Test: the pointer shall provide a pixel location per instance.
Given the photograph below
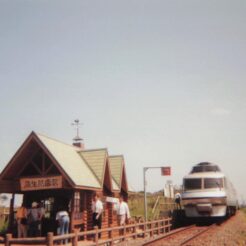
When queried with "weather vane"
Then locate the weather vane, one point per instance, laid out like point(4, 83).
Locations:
point(77, 125)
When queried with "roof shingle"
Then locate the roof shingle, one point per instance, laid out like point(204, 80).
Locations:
point(71, 162)
point(96, 160)
point(116, 167)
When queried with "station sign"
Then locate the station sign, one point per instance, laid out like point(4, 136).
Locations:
point(166, 171)
point(112, 199)
point(42, 183)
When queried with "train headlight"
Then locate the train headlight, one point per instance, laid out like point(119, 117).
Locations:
point(210, 200)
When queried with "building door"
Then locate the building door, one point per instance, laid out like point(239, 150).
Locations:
point(50, 202)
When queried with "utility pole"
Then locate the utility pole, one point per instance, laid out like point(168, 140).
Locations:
point(165, 171)
point(145, 195)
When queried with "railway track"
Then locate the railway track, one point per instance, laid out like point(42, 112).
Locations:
point(182, 236)
point(191, 238)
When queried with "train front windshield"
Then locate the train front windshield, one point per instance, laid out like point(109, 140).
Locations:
point(213, 183)
point(192, 184)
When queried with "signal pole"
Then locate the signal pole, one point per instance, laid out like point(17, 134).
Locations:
point(145, 195)
point(165, 171)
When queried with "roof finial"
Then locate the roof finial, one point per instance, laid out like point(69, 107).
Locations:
point(77, 139)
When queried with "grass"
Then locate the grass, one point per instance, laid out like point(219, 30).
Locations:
point(3, 220)
point(3, 226)
point(136, 204)
point(243, 210)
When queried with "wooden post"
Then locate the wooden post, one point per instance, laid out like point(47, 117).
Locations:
point(144, 229)
point(7, 239)
point(134, 230)
point(151, 229)
point(110, 231)
point(11, 213)
point(111, 236)
point(124, 232)
point(72, 212)
point(50, 241)
point(85, 219)
point(75, 239)
point(96, 235)
point(159, 227)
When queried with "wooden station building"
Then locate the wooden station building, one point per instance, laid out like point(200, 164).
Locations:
point(54, 173)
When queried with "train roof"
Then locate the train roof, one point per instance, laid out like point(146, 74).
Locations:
point(205, 175)
point(205, 167)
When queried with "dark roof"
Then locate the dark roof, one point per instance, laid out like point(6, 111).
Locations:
point(205, 167)
point(205, 164)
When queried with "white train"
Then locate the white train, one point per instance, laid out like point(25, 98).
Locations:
point(207, 192)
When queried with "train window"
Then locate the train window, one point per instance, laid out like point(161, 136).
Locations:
point(208, 168)
point(192, 184)
point(213, 183)
point(197, 169)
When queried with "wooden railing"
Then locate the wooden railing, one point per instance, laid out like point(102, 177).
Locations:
point(133, 231)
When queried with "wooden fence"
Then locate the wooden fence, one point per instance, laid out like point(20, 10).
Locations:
point(76, 238)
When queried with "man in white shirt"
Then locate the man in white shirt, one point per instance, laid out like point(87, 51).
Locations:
point(122, 211)
point(97, 209)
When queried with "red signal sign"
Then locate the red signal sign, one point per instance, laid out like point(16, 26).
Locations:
point(166, 171)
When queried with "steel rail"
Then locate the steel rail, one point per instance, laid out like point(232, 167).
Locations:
point(169, 234)
point(196, 235)
point(203, 231)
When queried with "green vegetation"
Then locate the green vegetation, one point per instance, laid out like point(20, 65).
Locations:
point(243, 210)
point(3, 220)
point(136, 204)
point(3, 226)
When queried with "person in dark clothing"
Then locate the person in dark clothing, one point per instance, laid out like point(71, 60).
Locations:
point(33, 220)
point(178, 200)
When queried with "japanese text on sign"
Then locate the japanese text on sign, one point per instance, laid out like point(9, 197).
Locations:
point(46, 183)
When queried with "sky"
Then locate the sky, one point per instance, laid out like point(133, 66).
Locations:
point(161, 82)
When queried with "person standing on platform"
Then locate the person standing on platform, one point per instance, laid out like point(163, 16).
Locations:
point(63, 219)
point(123, 212)
point(41, 217)
point(33, 220)
point(97, 209)
point(178, 200)
point(21, 217)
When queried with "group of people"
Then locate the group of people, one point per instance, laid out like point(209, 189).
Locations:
point(29, 220)
point(121, 208)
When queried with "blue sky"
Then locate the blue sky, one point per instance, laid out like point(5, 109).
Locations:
point(162, 82)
